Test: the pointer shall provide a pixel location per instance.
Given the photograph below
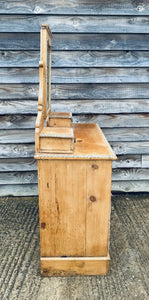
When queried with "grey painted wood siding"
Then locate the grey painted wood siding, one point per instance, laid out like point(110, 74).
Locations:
point(100, 72)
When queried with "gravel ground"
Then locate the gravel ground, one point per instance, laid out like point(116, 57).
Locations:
point(20, 253)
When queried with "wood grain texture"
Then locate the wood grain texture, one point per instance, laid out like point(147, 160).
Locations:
point(73, 266)
point(127, 161)
point(56, 239)
point(130, 186)
point(94, 75)
point(130, 147)
point(98, 207)
point(71, 224)
point(30, 41)
point(100, 63)
point(16, 150)
point(103, 58)
point(78, 106)
point(100, 91)
point(120, 148)
point(76, 75)
point(75, 24)
point(17, 136)
point(28, 150)
point(113, 120)
point(76, 91)
point(18, 164)
point(56, 145)
point(27, 177)
point(126, 134)
point(130, 174)
point(19, 190)
point(102, 106)
point(19, 91)
point(18, 107)
point(29, 164)
point(74, 59)
point(118, 174)
point(112, 134)
point(74, 7)
point(32, 189)
point(21, 58)
point(86, 146)
point(16, 121)
point(145, 161)
point(19, 75)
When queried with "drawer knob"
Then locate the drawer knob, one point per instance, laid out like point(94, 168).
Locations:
point(92, 198)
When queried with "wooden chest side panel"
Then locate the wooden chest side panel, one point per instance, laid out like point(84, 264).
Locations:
point(98, 207)
point(47, 207)
point(62, 208)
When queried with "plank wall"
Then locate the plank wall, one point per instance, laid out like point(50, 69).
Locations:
point(100, 72)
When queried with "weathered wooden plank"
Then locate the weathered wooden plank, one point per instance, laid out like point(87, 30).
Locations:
point(18, 107)
point(127, 161)
point(100, 58)
point(76, 75)
point(17, 150)
point(111, 120)
point(17, 136)
point(78, 106)
point(77, 91)
point(130, 186)
point(145, 161)
point(19, 58)
point(19, 41)
point(107, 41)
point(130, 174)
point(75, 24)
point(32, 189)
point(103, 120)
point(19, 190)
point(112, 134)
point(30, 164)
point(126, 134)
point(20, 164)
point(19, 91)
point(74, 7)
point(77, 59)
point(17, 121)
point(100, 91)
point(30, 177)
point(123, 148)
point(28, 150)
point(102, 106)
point(18, 177)
point(19, 75)
point(91, 75)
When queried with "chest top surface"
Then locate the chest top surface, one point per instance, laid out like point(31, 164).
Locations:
point(90, 143)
